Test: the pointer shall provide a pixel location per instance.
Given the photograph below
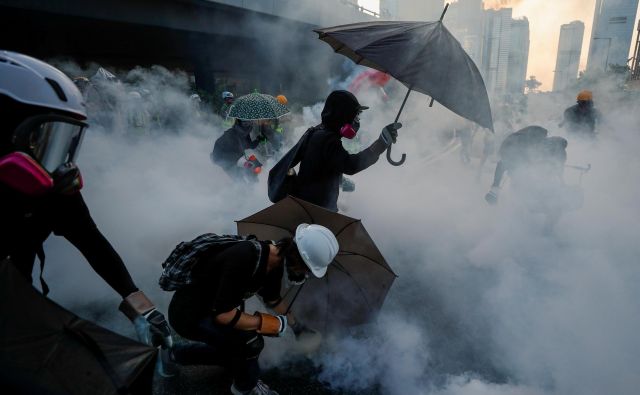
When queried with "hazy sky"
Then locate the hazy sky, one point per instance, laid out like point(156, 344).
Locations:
point(545, 18)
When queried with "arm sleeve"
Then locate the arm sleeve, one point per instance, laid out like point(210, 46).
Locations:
point(339, 159)
point(74, 223)
point(271, 290)
point(497, 177)
point(237, 265)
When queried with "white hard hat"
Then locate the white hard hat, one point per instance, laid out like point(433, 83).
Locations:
point(31, 81)
point(317, 246)
point(227, 95)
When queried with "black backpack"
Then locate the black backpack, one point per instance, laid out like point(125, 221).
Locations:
point(281, 183)
point(177, 268)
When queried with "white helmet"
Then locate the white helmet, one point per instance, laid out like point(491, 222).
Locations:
point(227, 95)
point(318, 247)
point(34, 82)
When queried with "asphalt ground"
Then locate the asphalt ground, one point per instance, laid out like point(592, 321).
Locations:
point(300, 377)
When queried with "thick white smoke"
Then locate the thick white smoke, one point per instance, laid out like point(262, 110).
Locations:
point(487, 301)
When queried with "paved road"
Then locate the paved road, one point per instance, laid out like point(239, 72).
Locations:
point(295, 379)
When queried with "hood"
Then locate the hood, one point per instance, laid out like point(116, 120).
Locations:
point(340, 108)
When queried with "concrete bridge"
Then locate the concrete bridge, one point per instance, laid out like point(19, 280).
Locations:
point(267, 41)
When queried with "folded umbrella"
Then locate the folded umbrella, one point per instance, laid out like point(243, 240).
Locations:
point(424, 56)
point(357, 281)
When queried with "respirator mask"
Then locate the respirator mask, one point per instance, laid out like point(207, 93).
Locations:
point(46, 148)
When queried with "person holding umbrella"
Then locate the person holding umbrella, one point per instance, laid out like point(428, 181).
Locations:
point(213, 276)
point(323, 160)
point(229, 149)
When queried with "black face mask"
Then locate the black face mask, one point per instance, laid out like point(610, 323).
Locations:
point(294, 277)
point(356, 124)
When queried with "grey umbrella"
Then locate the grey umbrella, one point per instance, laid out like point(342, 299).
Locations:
point(424, 56)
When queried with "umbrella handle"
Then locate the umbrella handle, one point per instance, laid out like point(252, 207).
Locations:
point(393, 162)
point(404, 156)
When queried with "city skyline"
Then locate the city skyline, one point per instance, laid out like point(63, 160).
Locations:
point(545, 19)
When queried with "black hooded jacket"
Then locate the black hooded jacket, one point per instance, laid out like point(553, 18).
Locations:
point(229, 147)
point(324, 160)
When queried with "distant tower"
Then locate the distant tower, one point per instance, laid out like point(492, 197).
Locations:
point(611, 34)
point(497, 46)
point(635, 68)
point(518, 56)
point(568, 58)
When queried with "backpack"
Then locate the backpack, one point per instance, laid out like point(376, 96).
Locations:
point(281, 182)
point(178, 267)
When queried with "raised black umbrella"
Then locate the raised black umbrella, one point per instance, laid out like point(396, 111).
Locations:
point(424, 56)
point(357, 281)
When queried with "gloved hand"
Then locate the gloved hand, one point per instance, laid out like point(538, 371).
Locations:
point(272, 325)
point(150, 325)
point(300, 329)
point(492, 196)
point(389, 133)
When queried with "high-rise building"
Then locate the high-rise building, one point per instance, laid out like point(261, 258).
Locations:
point(612, 32)
point(411, 10)
point(518, 56)
point(568, 59)
point(496, 49)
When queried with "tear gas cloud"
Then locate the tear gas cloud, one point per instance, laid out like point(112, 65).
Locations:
point(486, 301)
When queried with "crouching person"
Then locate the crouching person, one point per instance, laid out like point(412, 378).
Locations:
point(213, 275)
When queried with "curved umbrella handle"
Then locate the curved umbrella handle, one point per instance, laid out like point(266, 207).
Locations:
point(393, 162)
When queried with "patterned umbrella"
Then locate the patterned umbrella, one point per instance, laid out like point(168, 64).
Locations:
point(257, 106)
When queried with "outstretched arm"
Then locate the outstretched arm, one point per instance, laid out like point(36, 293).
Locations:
point(73, 221)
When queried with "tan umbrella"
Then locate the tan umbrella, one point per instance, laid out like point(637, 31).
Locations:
point(357, 281)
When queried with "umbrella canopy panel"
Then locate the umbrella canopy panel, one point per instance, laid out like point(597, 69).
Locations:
point(424, 56)
point(46, 349)
point(257, 106)
point(357, 281)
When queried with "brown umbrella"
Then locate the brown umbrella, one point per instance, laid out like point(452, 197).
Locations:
point(357, 281)
point(45, 349)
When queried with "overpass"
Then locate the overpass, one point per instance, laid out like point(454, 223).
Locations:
point(267, 41)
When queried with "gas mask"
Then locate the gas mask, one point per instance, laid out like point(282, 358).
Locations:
point(350, 130)
point(46, 147)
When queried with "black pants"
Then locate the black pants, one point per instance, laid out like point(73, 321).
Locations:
point(238, 350)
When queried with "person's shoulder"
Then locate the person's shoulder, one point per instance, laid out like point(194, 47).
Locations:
point(571, 109)
point(243, 253)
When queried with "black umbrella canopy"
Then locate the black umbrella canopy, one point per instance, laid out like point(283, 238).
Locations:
point(424, 56)
point(45, 349)
point(357, 281)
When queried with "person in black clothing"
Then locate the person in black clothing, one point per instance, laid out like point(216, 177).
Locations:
point(581, 118)
point(210, 308)
point(229, 151)
point(323, 160)
point(43, 121)
point(535, 165)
